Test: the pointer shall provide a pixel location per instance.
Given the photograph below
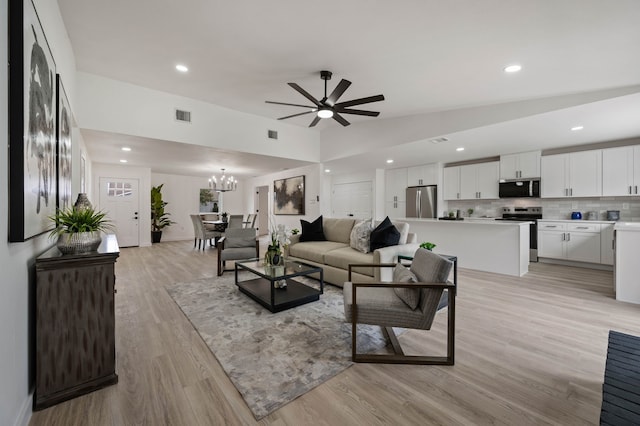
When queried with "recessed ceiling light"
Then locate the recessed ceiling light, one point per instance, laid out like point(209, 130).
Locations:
point(389, 161)
point(512, 68)
point(182, 68)
point(123, 161)
point(327, 170)
point(126, 148)
point(576, 128)
point(439, 140)
point(460, 149)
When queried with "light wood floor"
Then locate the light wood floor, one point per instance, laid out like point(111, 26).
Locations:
point(529, 350)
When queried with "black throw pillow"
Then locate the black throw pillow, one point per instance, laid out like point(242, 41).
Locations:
point(384, 235)
point(312, 231)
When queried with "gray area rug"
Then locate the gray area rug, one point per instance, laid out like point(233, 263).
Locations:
point(272, 358)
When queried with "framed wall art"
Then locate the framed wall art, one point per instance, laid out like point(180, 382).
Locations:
point(32, 125)
point(63, 134)
point(288, 196)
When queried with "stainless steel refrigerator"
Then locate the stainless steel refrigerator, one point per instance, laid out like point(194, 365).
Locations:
point(422, 201)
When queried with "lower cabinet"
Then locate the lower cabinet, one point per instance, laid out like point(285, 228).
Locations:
point(578, 242)
point(75, 349)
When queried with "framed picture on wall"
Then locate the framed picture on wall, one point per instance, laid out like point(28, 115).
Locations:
point(32, 125)
point(289, 196)
point(64, 148)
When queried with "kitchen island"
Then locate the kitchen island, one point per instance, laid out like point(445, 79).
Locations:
point(484, 245)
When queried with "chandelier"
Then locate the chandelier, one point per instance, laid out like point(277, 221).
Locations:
point(223, 184)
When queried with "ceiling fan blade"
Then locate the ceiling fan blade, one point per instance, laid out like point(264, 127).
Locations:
point(315, 121)
point(358, 112)
point(360, 101)
point(284, 103)
point(295, 115)
point(340, 119)
point(304, 93)
point(337, 92)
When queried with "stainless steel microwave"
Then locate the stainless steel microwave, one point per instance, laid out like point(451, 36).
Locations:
point(520, 189)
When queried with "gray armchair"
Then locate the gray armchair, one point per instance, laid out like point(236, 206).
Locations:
point(389, 304)
point(237, 244)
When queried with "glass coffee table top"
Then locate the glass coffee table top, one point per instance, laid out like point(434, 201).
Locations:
point(290, 269)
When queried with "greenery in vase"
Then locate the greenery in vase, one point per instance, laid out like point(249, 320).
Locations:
point(72, 220)
point(427, 245)
point(470, 211)
point(295, 231)
point(159, 218)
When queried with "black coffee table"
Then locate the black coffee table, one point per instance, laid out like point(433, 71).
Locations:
point(263, 290)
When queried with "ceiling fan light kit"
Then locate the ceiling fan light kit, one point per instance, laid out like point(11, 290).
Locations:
point(328, 107)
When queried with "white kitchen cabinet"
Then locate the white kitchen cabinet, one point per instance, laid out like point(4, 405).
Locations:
point(520, 166)
point(479, 181)
point(451, 183)
point(621, 171)
point(577, 174)
point(395, 194)
point(569, 241)
point(395, 185)
point(426, 174)
point(606, 243)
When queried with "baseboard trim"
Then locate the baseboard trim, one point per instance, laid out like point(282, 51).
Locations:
point(598, 266)
point(24, 415)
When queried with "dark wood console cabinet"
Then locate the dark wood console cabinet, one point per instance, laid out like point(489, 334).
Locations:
point(75, 323)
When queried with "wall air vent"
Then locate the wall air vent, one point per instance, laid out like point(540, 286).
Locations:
point(439, 140)
point(272, 134)
point(184, 116)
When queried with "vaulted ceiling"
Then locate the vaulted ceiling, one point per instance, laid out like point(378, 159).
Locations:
point(425, 56)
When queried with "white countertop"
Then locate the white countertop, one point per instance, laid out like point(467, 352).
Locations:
point(576, 221)
point(466, 221)
point(627, 226)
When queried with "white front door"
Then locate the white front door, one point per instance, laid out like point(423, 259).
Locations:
point(119, 199)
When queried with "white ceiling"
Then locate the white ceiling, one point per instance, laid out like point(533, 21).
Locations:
point(423, 55)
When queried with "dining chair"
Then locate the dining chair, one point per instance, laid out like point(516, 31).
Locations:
point(235, 221)
point(251, 220)
point(201, 235)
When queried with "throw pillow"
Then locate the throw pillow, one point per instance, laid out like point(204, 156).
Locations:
point(410, 296)
point(384, 235)
point(361, 236)
point(312, 231)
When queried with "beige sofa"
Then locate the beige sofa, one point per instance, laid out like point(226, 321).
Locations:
point(335, 254)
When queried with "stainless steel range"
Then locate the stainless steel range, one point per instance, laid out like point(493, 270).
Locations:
point(526, 214)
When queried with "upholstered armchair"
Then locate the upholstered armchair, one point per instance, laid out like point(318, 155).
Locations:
point(410, 301)
point(237, 244)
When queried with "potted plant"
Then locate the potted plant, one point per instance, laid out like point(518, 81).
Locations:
point(159, 218)
point(78, 229)
point(427, 245)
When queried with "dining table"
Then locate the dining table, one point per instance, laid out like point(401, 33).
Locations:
point(218, 225)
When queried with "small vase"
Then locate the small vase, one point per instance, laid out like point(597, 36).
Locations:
point(78, 242)
point(82, 203)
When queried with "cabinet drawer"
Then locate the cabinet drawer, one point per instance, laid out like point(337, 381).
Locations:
point(583, 227)
point(552, 226)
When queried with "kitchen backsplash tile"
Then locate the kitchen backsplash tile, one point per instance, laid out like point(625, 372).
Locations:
point(553, 208)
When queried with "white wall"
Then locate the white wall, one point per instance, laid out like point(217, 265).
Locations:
point(101, 170)
point(183, 195)
point(17, 259)
point(313, 188)
point(119, 107)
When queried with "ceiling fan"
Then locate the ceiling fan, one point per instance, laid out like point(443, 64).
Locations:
point(327, 106)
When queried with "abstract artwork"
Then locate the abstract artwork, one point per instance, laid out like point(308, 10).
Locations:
point(32, 125)
point(64, 148)
point(288, 196)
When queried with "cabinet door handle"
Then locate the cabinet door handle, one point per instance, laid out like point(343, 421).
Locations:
point(571, 191)
point(563, 237)
point(551, 226)
point(457, 195)
point(566, 192)
point(582, 227)
point(568, 236)
point(629, 189)
point(636, 187)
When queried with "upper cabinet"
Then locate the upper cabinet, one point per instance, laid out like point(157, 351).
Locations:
point(473, 181)
point(621, 171)
point(577, 174)
point(422, 175)
point(395, 185)
point(520, 166)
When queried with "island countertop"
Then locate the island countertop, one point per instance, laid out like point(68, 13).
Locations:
point(499, 246)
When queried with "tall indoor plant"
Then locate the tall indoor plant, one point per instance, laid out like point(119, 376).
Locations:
point(159, 218)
